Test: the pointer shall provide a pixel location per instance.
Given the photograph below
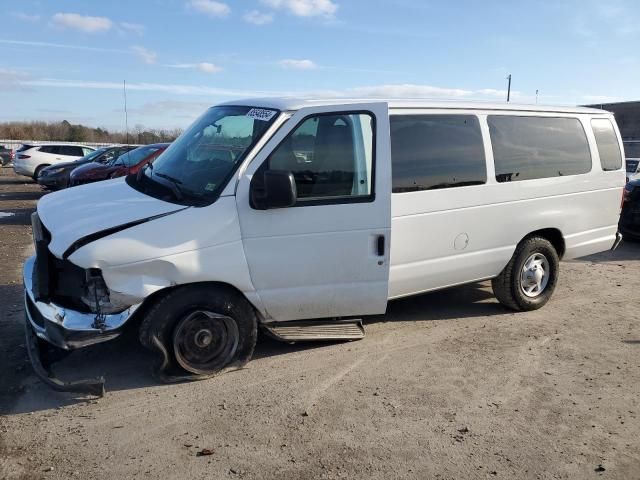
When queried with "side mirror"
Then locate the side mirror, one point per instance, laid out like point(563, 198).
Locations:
point(277, 191)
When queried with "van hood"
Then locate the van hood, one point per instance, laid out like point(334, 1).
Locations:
point(89, 210)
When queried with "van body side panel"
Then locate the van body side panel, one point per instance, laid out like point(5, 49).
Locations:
point(424, 255)
point(194, 245)
point(451, 236)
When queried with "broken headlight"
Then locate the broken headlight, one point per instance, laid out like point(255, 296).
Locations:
point(98, 297)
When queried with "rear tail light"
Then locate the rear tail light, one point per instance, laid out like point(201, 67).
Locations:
point(20, 156)
point(12, 155)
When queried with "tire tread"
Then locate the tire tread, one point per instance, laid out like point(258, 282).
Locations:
point(505, 285)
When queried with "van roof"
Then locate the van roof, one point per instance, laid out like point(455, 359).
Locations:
point(296, 103)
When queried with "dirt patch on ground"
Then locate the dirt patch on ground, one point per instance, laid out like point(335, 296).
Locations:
point(445, 385)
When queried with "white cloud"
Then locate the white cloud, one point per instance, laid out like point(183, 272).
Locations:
point(204, 67)
point(174, 89)
point(492, 92)
point(147, 56)
point(363, 92)
point(62, 45)
point(258, 18)
point(305, 8)
point(292, 64)
point(136, 28)
point(26, 17)
point(406, 91)
point(211, 8)
point(12, 80)
point(178, 108)
point(82, 23)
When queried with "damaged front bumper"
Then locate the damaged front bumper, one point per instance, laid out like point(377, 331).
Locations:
point(93, 386)
point(66, 328)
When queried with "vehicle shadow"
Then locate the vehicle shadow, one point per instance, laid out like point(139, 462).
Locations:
point(6, 180)
point(127, 366)
point(15, 216)
point(628, 250)
point(21, 196)
point(471, 300)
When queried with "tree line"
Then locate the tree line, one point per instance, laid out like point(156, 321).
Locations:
point(67, 132)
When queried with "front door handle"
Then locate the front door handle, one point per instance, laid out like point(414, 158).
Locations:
point(380, 245)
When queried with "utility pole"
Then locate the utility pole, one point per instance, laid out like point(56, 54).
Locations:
point(126, 117)
point(537, 96)
point(509, 89)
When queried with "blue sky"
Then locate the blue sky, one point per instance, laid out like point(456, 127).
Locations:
point(66, 59)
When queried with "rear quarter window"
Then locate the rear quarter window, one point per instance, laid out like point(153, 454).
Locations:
point(71, 151)
point(527, 148)
point(608, 146)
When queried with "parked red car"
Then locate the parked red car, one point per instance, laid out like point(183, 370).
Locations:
point(126, 164)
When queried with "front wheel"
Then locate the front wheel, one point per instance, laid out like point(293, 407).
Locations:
point(530, 277)
point(200, 331)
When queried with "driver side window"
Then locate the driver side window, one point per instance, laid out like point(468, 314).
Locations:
point(330, 156)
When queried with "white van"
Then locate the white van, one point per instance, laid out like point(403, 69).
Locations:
point(302, 217)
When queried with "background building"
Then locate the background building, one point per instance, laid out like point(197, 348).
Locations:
point(627, 116)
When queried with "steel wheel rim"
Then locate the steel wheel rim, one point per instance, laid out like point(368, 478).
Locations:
point(534, 276)
point(204, 341)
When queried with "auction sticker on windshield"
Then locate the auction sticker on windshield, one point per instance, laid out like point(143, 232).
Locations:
point(261, 114)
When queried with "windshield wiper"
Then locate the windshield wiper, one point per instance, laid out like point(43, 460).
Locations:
point(174, 185)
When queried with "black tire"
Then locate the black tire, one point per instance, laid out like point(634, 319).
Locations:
point(230, 321)
point(37, 172)
point(508, 286)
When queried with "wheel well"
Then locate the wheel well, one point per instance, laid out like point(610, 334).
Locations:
point(554, 236)
point(149, 301)
point(38, 168)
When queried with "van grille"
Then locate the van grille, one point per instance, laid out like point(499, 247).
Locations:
point(54, 279)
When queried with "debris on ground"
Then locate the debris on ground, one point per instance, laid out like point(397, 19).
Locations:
point(205, 452)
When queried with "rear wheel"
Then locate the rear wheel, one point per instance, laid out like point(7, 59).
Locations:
point(530, 277)
point(37, 171)
point(200, 331)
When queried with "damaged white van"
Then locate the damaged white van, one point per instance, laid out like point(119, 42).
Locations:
point(302, 217)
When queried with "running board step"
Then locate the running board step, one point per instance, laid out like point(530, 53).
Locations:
point(316, 330)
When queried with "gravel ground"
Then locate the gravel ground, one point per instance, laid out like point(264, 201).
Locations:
point(447, 385)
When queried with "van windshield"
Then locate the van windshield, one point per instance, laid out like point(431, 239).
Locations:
point(197, 166)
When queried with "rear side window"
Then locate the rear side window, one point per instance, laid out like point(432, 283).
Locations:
point(608, 146)
point(24, 147)
point(436, 151)
point(52, 149)
point(526, 148)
